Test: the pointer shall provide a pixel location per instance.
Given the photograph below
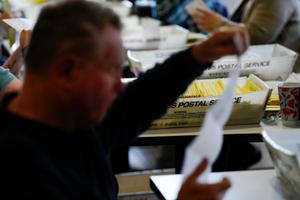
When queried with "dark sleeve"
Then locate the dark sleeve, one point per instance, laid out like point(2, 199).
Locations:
point(148, 97)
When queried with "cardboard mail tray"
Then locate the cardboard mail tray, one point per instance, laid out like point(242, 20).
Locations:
point(188, 112)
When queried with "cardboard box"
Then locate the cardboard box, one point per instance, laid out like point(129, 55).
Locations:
point(188, 112)
point(268, 62)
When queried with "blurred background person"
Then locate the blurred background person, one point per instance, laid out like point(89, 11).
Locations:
point(4, 31)
point(10, 50)
point(9, 82)
point(15, 62)
point(174, 12)
point(268, 22)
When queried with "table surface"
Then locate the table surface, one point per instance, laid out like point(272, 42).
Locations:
point(246, 185)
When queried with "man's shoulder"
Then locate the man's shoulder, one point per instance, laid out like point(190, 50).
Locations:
point(20, 155)
point(13, 138)
point(12, 142)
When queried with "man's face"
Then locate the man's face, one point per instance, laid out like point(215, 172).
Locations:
point(101, 79)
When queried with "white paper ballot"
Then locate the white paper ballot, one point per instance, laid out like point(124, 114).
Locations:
point(210, 139)
point(191, 7)
point(19, 24)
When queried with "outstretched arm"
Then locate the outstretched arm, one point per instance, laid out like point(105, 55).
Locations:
point(16, 60)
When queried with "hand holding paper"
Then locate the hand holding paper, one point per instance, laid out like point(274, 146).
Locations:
point(208, 19)
point(209, 141)
point(205, 18)
point(191, 189)
point(221, 43)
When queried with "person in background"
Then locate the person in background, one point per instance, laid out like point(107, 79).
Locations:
point(57, 132)
point(15, 62)
point(8, 82)
point(174, 12)
point(267, 21)
point(4, 54)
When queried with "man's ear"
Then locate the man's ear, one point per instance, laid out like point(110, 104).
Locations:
point(66, 65)
point(65, 71)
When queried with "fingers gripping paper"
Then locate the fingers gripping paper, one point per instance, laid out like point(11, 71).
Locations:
point(209, 141)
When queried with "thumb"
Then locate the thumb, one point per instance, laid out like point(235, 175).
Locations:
point(198, 171)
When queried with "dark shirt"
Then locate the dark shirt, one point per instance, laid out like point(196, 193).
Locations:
point(42, 162)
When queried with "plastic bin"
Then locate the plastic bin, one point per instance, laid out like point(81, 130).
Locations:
point(152, 36)
point(269, 62)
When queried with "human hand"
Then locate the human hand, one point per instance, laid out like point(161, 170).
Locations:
point(207, 19)
point(25, 38)
point(220, 43)
point(191, 189)
point(6, 15)
point(14, 86)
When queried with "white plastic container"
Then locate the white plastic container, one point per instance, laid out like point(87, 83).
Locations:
point(148, 35)
point(122, 8)
point(141, 61)
point(172, 37)
point(269, 62)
